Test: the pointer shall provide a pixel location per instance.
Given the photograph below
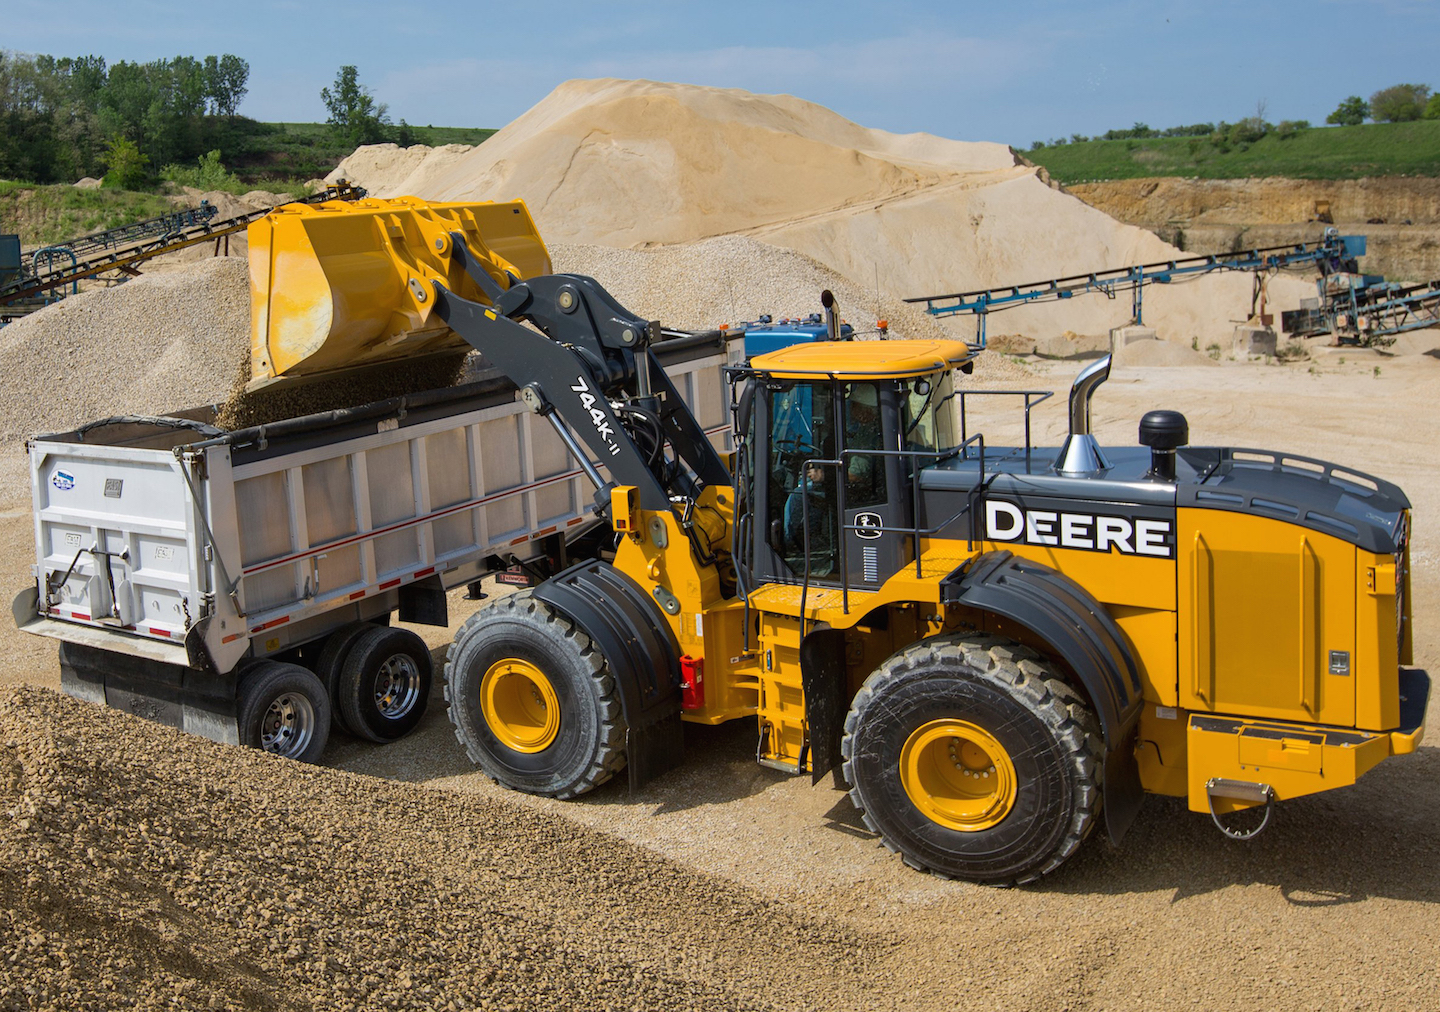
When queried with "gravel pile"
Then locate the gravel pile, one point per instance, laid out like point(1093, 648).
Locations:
point(142, 868)
point(158, 343)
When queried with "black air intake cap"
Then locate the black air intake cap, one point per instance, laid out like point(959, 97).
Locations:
point(1164, 430)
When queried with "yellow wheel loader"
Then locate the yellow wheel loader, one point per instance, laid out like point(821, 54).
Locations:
point(996, 648)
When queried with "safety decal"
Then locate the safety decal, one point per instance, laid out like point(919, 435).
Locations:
point(63, 480)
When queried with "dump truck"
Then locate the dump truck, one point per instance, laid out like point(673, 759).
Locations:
point(994, 649)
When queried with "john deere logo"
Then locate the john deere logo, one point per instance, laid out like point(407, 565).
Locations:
point(870, 524)
point(1095, 532)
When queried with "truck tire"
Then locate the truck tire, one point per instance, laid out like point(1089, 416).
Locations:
point(972, 759)
point(332, 658)
point(384, 684)
point(533, 700)
point(283, 708)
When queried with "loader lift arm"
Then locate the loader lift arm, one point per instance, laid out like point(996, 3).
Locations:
point(593, 367)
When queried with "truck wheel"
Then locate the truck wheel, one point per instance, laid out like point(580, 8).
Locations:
point(533, 701)
point(384, 684)
point(332, 659)
point(972, 759)
point(284, 709)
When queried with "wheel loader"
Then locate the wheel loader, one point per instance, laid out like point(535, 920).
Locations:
point(994, 649)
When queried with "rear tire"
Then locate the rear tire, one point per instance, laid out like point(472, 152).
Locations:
point(384, 684)
point(533, 700)
point(284, 709)
point(332, 659)
point(971, 758)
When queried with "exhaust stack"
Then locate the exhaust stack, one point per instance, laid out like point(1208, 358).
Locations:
point(832, 316)
point(1081, 454)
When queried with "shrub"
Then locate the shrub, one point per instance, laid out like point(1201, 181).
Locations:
point(208, 174)
point(1292, 351)
point(1432, 107)
point(1351, 112)
point(1399, 103)
point(1291, 127)
point(129, 169)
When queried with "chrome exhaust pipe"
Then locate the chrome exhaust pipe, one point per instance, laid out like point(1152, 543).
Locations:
point(1081, 454)
point(832, 314)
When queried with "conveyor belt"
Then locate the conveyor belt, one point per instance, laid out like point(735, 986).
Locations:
point(110, 250)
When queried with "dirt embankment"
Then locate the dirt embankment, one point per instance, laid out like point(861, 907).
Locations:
point(1399, 216)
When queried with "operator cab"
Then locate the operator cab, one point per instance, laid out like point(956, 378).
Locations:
point(835, 436)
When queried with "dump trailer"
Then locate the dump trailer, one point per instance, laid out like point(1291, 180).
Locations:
point(213, 579)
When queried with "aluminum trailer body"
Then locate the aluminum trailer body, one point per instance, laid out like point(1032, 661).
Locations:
point(169, 555)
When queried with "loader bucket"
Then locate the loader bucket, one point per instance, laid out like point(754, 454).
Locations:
point(341, 285)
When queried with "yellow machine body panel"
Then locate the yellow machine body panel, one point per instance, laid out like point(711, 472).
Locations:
point(340, 284)
point(1268, 618)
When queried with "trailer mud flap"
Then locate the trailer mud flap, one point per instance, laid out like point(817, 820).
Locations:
point(642, 654)
point(180, 697)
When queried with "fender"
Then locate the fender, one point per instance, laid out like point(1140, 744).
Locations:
point(1082, 634)
point(643, 657)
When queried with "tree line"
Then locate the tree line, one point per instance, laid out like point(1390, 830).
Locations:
point(1399, 103)
point(134, 124)
point(61, 119)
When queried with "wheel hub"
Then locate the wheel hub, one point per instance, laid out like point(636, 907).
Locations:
point(958, 775)
point(520, 705)
point(288, 725)
point(397, 687)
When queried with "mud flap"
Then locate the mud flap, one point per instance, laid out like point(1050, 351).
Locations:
point(642, 654)
point(1122, 791)
point(822, 675)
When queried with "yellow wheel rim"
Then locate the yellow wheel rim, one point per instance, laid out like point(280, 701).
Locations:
point(520, 705)
point(958, 775)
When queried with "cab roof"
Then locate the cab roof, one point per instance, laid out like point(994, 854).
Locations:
point(863, 359)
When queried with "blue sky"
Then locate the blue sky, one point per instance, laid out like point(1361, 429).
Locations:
point(993, 71)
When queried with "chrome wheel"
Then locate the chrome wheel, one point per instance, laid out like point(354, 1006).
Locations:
point(288, 725)
point(397, 686)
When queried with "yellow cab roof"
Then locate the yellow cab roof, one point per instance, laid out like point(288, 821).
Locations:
point(862, 359)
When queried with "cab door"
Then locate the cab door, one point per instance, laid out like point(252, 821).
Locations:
point(822, 485)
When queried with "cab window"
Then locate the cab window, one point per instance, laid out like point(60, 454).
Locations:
point(929, 412)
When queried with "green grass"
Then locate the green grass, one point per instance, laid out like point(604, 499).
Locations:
point(1376, 149)
point(47, 214)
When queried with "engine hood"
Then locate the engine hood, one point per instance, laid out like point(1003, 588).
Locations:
point(1347, 504)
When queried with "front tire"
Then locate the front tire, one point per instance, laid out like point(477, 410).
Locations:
point(533, 701)
point(973, 759)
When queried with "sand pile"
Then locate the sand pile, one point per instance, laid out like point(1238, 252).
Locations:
point(140, 867)
point(388, 170)
point(697, 286)
point(631, 163)
point(628, 162)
